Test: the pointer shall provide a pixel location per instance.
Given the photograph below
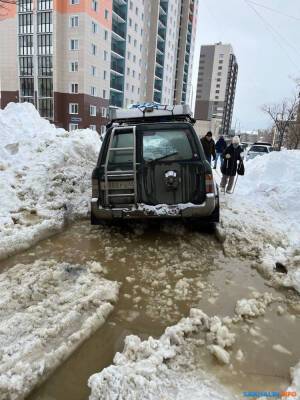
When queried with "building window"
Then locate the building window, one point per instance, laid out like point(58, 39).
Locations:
point(73, 108)
point(133, 73)
point(219, 73)
point(44, 5)
point(25, 45)
point(105, 35)
point(218, 85)
point(26, 66)
point(26, 87)
point(93, 49)
point(44, 22)
point(45, 44)
point(94, 27)
point(106, 14)
point(105, 55)
point(134, 58)
point(128, 55)
point(74, 2)
point(95, 5)
point(25, 23)
point(219, 68)
point(135, 27)
point(93, 111)
point(45, 86)
point(74, 21)
point(103, 112)
point(128, 71)
point(93, 70)
point(217, 91)
point(132, 88)
point(134, 42)
point(74, 88)
point(73, 127)
point(136, 11)
point(130, 5)
point(93, 91)
point(104, 94)
point(216, 97)
point(93, 127)
point(25, 5)
point(104, 75)
point(130, 22)
point(74, 44)
point(103, 129)
point(74, 66)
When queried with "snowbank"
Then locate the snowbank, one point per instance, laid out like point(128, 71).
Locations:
point(44, 176)
point(162, 369)
point(46, 310)
point(262, 218)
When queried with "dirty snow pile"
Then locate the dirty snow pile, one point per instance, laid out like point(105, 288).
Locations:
point(262, 218)
point(46, 310)
point(163, 368)
point(44, 176)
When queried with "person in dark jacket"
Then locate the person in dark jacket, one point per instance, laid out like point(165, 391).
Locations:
point(220, 148)
point(208, 145)
point(232, 156)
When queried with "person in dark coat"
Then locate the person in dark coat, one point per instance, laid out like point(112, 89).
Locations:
point(220, 148)
point(232, 156)
point(208, 145)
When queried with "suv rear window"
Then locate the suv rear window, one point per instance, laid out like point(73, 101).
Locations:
point(169, 145)
point(259, 149)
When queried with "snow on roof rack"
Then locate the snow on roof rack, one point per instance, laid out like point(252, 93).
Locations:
point(153, 112)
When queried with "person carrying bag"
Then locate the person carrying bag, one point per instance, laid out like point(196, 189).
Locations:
point(233, 164)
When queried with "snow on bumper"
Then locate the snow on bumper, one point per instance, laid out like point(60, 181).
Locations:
point(46, 310)
point(185, 210)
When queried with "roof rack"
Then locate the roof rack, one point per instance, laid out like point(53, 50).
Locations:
point(151, 112)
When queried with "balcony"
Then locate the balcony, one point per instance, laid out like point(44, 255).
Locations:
point(161, 47)
point(163, 20)
point(116, 83)
point(160, 59)
point(157, 97)
point(159, 72)
point(164, 5)
point(162, 33)
point(118, 48)
point(116, 99)
point(158, 85)
point(117, 67)
point(119, 13)
point(118, 31)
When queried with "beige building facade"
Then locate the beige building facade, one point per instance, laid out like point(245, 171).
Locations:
point(75, 59)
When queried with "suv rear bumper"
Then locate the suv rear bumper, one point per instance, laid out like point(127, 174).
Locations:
point(144, 211)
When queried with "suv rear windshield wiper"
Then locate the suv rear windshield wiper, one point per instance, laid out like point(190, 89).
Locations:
point(163, 157)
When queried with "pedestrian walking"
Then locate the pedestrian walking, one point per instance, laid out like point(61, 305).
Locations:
point(220, 148)
point(233, 164)
point(208, 145)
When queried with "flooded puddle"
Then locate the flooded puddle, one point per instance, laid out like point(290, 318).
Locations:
point(165, 270)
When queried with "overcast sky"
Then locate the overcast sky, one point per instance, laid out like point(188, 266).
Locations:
point(267, 51)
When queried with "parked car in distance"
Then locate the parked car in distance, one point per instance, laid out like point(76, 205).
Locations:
point(259, 149)
point(151, 166)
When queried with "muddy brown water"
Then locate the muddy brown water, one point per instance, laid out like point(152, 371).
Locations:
point(165, 270)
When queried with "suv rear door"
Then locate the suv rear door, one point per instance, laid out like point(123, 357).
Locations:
point(171, 169)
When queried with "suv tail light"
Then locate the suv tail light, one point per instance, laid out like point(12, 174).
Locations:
point(209, 183)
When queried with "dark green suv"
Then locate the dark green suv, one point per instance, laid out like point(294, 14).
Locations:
point(152, 165)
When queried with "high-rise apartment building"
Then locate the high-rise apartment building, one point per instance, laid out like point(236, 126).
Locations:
point(217, 77)
point(74, 59)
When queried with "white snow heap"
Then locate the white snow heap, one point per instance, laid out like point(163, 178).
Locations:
point(47, 310)
point(262, 218)
point(45, 176)
point(153, 369)
point(254, 307)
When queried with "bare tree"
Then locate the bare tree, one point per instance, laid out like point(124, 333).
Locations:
point(281, 115)
point(4, 4)
point(293, 139)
